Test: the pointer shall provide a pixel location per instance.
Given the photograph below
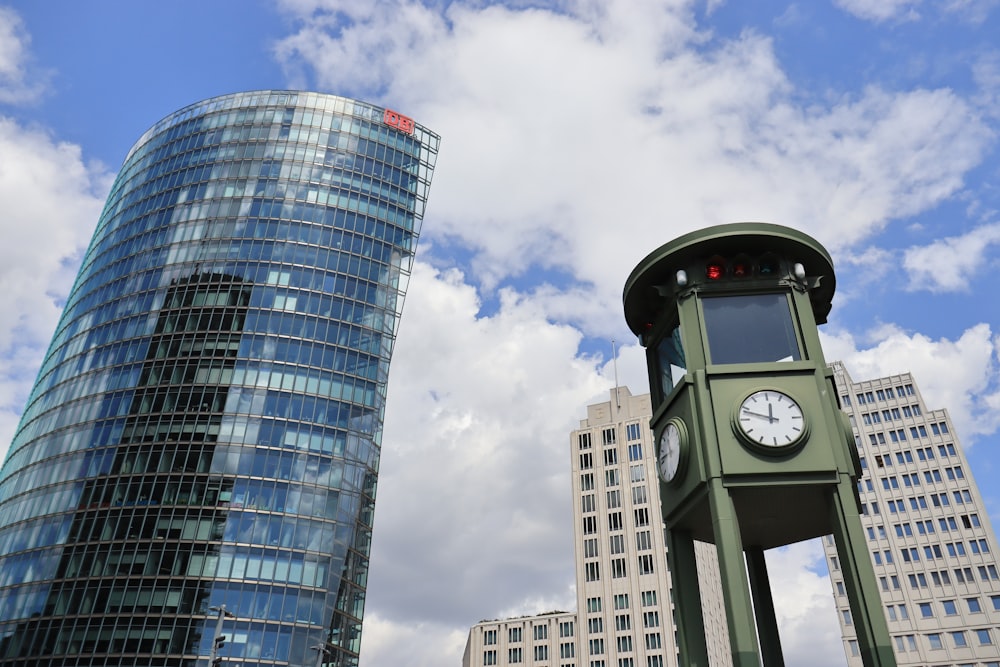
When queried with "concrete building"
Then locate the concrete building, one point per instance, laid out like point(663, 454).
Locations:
point(931, 542)
point(201, 445)
point(624, 613)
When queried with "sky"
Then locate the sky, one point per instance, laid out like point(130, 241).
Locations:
point(577, 136)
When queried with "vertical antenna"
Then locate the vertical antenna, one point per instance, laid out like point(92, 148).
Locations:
point(614, 359)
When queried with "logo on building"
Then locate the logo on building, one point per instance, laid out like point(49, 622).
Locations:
point(398, 121)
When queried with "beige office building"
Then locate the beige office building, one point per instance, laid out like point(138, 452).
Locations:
point(928, 531)
point(624, 616)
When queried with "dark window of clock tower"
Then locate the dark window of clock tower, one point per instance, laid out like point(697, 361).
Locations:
point(670, 359)
point(750, 328)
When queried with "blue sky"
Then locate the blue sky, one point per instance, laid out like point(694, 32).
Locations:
point(577, 136)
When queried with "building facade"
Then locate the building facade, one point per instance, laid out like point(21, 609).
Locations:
point(624, 612)
point(201, 445)
point(930, 538)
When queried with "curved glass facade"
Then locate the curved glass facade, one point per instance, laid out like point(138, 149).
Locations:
point(205, 428)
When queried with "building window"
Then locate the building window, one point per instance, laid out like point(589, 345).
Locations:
point(632, 431)
point(611, 477)
point(586, 461)
point(541, 632)
point(610, 457)
point(648, 598)
point(959, 639)
point(596, 646)
point(643, 540)
point(635, 452)
point(642, 517)
point(514, 634)
point(514, 655)
point(490, 637)
point(593, 605)
point(614, 499)
point(584, 440)
point(614, 521)
point(984, 637)
point(638, 495)
point(646, 564)
point(590, 547)
point(621, 601)
point(617, 568)
point(623, 622)
point(593, 571)
point(617, 544)
point(587, 481)
point(566, 629)
point(595, 626)
point(589, 525)
point(638, 473)
point(934, 640)
point(587, 503)
point(567, 651)
point(541, 653)
point(490, 657)
point(624, 644)
point(608, 436)
point(650, 619)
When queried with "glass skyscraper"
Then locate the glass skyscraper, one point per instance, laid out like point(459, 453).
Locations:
point(201, 445)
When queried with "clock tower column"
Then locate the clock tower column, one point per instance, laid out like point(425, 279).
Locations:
point(754, 452)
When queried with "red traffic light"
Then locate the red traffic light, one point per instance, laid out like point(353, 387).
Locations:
point(715, 269)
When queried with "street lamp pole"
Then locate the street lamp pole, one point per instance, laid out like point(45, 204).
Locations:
point(219, 639)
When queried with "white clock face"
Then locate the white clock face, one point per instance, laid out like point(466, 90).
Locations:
point(670, 452)
point(771, 419)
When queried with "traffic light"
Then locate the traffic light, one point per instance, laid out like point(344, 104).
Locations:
point(739, 267)
point(217, 644)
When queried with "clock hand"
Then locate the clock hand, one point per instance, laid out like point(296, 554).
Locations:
point(758, 414)
point(770, 413)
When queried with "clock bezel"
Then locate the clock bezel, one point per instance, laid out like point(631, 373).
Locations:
point(682, 446)
point(782, 449)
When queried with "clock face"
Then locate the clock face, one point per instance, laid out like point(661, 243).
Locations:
point(670, 452)
point(771, 419)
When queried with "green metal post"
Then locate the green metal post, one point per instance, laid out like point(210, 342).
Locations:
point(687, 599)
point(859, 579)
point(763, 604)
point(735, 587)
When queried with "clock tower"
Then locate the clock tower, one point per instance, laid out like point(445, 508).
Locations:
point(753, 450)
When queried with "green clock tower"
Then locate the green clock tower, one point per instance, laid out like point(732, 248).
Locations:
point(753, 450)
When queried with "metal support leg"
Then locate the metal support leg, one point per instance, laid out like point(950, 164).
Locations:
point(735, 587)
point(859, 579)
point(763, 604)
point(687, 600)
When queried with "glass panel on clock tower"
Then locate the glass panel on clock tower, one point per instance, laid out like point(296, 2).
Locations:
point(670, 359)
point(750, 328)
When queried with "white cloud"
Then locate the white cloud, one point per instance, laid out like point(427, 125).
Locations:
point(17, 85)
point(961, 375)
point(474, 481)
point(539, 169)
point(804, 606)
point(50, 200)
point(947, 265)
point(881, 10)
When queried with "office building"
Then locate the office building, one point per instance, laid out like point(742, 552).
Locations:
point(929, 533)
point(201, 445)
point(624, 613)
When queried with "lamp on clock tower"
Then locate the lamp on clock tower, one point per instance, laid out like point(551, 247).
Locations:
point(753, 450)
